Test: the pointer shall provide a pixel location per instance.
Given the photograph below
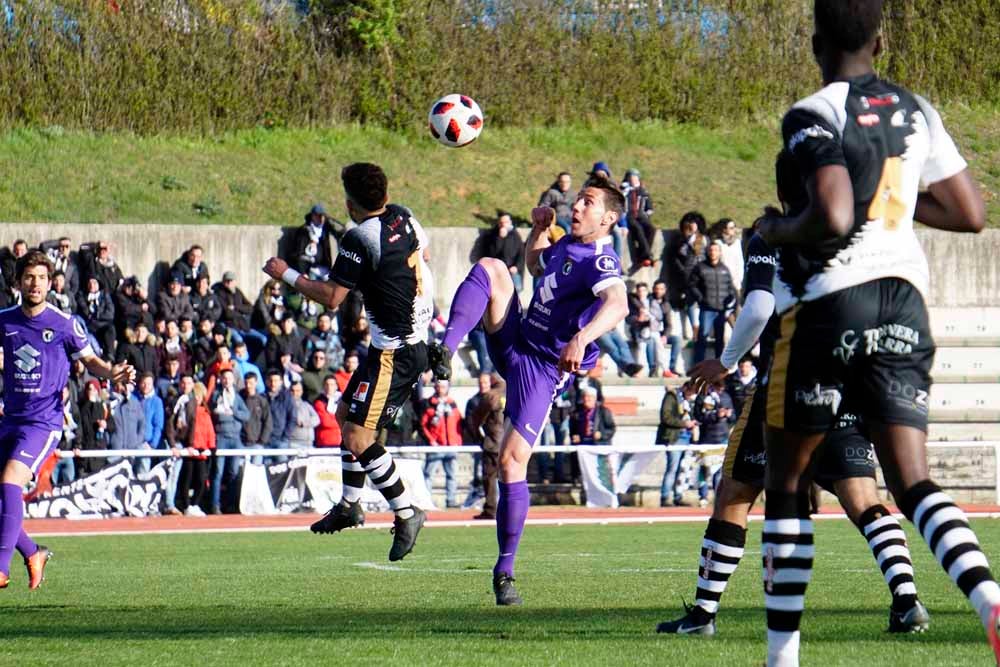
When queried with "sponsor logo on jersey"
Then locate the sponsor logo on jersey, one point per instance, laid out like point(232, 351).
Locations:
point(908, 396)
point(881, 101)
point(48, 335)
point(898, 119)
point(26, 358)
point(848, 344)
point(819, 397)
point(606, 264)
point(814, 132)
point(394, 238)
point(868, 120)
point(567, 267)
point(361, 393)
point(347, 254)
point(894, 338)
point(762, 259)
point(547, 291)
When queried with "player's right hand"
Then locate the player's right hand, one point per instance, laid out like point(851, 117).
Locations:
point(122, 372)
point(707, 372)
point(275, 267)
point(542, 217)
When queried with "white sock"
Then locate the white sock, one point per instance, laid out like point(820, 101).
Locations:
point(782, 649)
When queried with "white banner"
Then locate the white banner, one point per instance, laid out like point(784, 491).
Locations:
point(113, 491)
point(607, 475)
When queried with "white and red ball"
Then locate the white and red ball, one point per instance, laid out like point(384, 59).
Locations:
point(456, 120)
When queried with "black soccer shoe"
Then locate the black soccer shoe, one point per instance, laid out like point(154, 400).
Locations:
point(696, 621)
point(503, 589)
point(439, 361)
point(404, 534)
point(916, 619)
point(340, 517)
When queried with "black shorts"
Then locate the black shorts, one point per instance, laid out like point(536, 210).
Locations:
point(845, 453)
point(378, 390)
point(869, 345)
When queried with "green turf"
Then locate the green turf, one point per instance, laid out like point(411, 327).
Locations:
point(593, 596)
point(272, 176)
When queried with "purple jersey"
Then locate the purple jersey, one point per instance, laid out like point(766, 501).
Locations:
point(36, 363)
point(566, 296)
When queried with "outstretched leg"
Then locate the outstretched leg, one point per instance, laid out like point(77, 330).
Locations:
point(512, 511)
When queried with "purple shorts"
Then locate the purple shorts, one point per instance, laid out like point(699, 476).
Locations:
point(30, 444)
point(532, 382)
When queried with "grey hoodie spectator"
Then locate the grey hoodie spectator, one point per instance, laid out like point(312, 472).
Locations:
point(173, 303)
point(304, 420)
point(559, 197)
point(130, 420)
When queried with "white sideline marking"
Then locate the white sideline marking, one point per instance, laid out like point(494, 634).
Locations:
point(417, 570)
point(568, 521)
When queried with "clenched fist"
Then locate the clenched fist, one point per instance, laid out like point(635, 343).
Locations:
point(542, 217)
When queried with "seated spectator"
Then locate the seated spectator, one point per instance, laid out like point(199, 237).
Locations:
point(503, 242)
point(713, 289)
point(302, 433)
point(644, 321)
point(204, 301)
point(203, 346)
point(187, 330)
point(139, 350)
point(223, 335)
point(104, 267)
point(130, 423)
point(200, 442)
point(154, 416)
point(560, 198)
point(66, 261)
point(169, 379)
point(324, 337)
point(286, 341)
point(173, 303)
point(98, 312)
point(306, 311)
point(58, 296)
point(256, 432)
point(131, 307)
point(328, 431)
point(270, 307)
point(440, 425)
point(638, 211)
point(242, 364)
point(235, 307)
point(65, 469)
point(343, 376)
point(615, 346)
point(172, 344)
point(229, 413)
point(591, 424)
point(313, 374)
point(311, 250)
point(96, 427)
point(190, 267)
point(681, 255)
point(676, 428)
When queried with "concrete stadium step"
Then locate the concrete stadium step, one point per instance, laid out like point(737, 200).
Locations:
point(966, 327)
point(957, 365)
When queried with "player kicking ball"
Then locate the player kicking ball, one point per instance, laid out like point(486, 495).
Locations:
point(38, 342)
point(579, 296)
point(845, 465)
point(854, 325)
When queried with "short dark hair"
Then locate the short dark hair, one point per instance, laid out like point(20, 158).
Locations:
point(274, 371)
point(196, 247)
point(147, 375)
point(30, 259)
point(365, 184)
point(848, 24)
point(692, 216)
point(19, 242)
point(329, 377)
point(564, 173)
point(614, 200)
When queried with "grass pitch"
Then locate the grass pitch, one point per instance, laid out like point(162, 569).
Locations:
point(593, 595)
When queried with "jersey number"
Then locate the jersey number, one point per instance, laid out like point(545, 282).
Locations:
point(413, 261)
point(888, 204)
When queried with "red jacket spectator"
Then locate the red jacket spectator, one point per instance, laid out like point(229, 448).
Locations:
point(203, 438)
point(328, 431)
point(440, 422)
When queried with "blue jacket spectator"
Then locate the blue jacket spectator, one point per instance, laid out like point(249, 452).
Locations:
point(242, 364)
point(282, 409)
point(152, 407)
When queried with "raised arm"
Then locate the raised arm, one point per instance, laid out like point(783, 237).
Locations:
point(538, 240)
point(331, 294)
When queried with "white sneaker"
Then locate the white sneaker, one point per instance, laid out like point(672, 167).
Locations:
point(194, 510)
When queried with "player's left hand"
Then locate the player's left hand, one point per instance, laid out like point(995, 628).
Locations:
point(765, 223)
point(122, 372)
point(707, 372)
point(572, 355)
point(275, 267)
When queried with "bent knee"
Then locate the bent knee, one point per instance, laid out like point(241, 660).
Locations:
point(498, 272)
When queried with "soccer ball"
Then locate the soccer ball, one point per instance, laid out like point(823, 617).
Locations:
point(456, 120)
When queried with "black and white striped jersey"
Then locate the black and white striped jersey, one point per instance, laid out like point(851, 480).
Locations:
point(893, 144)
point(383, 257)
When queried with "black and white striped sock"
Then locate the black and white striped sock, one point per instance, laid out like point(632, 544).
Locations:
point(353, 475)
point(946, 530)
point(787, 550)
point(721, 551)
point(381, 470)
point(887, 541)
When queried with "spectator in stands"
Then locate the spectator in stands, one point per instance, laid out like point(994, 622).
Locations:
point(638, 211)
point(291, 370)
point(306, 311)
point(256, 433)
point(304, 420)
point(58, 296)
point(645, 323)
point(139, 350)
point(129, 422)
point(223, 335)
point(681, 255)
point(488, 418)
point(440, 427)
point(559, 197)
point(270, 307)
point(106, 269)
point(551, 467)
point(172, 344)
point(323, 337)
point(188, 330)
point(222, 362)
point(344, 374)
point(615, 346)
point(64, 260)
point(173, 303)
point(740, 384)
point(190, 267)
point(98, 312)
point(503, 242)
point(283, 412)
point(235, 307)
point(328, 431)
point(18, 249)
point(471, 435)
point(311, 249)
point(131, 307)
point(732, 249)
point(204, 301)
point(65, 469)
point(242, 364)
point(229, 413)
point(713, 289)
point(203, 346)
point(180, 410)
point(286, 341)
point(200, 442)
point(661, 311)
point(715, 417)
point(676, 428)
point(153, 417)
point(591, 424)
point(169, 379)
point(96, 427)
point(79, 376)
point(313, 374)
point(477, 339)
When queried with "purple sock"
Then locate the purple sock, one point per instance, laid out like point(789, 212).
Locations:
point(512, 510)
point(468, 306)
point(11, 520)
point(25, 545)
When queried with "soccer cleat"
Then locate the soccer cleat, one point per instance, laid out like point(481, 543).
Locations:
point(4, 580)
point(916, 619)
point(439, 361)
point(405, 533)
point(35, 563)
point(503, 589)
point(696, 621)
point(993, 632)
point(340, 517)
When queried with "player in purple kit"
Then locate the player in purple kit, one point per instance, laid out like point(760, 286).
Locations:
point(579, 296)
point(38, 341)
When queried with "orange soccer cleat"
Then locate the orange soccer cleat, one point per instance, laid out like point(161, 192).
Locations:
point(36, 567)
point(4, 580)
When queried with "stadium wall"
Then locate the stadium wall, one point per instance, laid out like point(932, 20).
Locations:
point(963, 268)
